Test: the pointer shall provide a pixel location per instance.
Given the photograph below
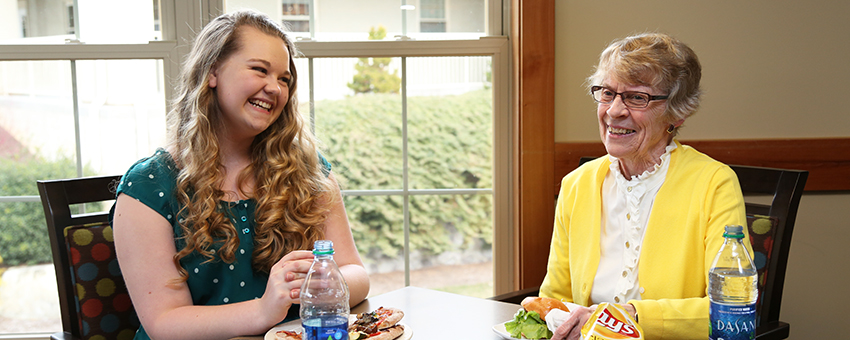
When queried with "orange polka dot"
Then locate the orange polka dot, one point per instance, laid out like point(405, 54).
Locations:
point(100, 252)
point(75, 256)
point(91, 308)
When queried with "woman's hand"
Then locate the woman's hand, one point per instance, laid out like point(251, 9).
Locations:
point(284, 285)
point(571, 329)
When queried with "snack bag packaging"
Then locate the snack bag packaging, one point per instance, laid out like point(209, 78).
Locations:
point(610, 322)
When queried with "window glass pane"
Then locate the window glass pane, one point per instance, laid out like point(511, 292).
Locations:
point(378, 230)
point(358, 119)
point(36, 123)
point(303, 87)
point(92, 21)
point(121, 118)
point(450, 110)
point(122, 113)
point(346, 20)
point(29, 301)
point(433, 9)
point(451, 241)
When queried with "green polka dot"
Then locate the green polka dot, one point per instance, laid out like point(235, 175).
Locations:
point(105, 287)
point(97, 337)
point(83, 237)
point(761, 226)
point(107, 234)
point(81, 292)
point(126, 334)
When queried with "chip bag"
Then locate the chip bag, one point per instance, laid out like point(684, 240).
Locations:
point(610, 322)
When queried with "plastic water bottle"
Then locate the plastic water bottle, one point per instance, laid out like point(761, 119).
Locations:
point(324, 297)
point(732, 289)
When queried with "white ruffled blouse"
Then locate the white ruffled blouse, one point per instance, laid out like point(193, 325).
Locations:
point(626, 204)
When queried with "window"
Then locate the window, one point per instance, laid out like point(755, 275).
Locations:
point(87, 95)
point(72, 26)
point(433, 16)
point(296, 15)
point(82, 93)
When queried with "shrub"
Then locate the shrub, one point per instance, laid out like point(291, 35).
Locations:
point(450, 146)
point(23, 230)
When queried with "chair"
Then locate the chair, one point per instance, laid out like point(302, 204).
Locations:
point(771, 225)
point(92, 296)
point(772, 197)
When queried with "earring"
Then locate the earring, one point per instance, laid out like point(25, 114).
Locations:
point(671, 128)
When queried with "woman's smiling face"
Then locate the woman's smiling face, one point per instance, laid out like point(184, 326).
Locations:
point(252, 84)
point(636, 136)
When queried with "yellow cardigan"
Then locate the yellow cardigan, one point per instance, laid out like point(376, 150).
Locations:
point(699, 197)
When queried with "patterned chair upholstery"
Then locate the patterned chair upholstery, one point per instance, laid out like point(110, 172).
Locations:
point(103, 304)
point(762, 231)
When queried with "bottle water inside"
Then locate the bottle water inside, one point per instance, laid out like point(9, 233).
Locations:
point(324, 297)
point(732, 289)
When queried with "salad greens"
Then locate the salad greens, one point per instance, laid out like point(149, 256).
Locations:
point(528, 325)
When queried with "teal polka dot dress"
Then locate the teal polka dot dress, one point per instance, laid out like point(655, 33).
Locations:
point(152, 181)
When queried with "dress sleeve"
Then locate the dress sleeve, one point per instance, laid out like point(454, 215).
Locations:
point(326, 166)
point(152, 182)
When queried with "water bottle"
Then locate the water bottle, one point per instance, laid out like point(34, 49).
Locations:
point(324, 297)
point(732, 289)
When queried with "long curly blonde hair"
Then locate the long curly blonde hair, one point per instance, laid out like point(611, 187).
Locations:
point(291, 188)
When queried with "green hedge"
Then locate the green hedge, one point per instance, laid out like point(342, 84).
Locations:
point(23, 230)
point(450, 146)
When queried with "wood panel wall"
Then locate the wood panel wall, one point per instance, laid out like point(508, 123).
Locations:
point(826, 159)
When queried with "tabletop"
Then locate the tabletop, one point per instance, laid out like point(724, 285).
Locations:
point(432, 314)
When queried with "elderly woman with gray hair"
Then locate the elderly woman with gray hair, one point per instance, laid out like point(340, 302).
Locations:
point(641, 226)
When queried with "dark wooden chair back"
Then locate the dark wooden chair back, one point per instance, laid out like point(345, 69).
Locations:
point(772, 197)
point(58, 198)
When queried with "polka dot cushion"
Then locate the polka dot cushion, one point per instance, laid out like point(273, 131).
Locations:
point(103, 304)
point(762, 231)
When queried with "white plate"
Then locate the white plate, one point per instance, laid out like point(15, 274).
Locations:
point(295, 326)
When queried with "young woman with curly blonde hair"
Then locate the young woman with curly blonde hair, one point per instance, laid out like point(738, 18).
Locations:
point(212, 232)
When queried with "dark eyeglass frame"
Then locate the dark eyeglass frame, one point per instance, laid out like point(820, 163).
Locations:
point(597, 88)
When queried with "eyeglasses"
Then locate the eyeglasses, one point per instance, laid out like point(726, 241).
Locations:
point(632, 99)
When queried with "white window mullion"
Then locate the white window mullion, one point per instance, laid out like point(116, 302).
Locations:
point(404, 172)
point(312, 96)
point(76, 107)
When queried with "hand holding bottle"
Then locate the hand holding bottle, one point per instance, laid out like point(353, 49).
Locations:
point(284, 285)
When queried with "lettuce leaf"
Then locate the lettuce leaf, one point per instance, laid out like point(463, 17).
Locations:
point(528, 325)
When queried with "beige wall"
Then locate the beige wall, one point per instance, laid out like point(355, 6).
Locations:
point(771, 69)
